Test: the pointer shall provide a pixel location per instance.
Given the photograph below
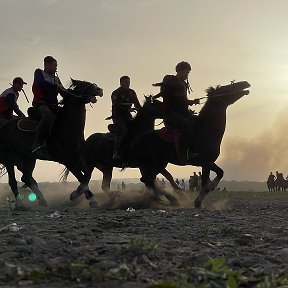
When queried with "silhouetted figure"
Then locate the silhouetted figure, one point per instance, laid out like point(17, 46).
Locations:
point(46, 87)
point(182, 184)
point(123, 186)
point(9, 98)
point(193, 182)
point(199, 181)
point(176, 108)
point(271, 182)
point(122, 100)
point(280, 182)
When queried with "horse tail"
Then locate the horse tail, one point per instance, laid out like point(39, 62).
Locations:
point(64, 175)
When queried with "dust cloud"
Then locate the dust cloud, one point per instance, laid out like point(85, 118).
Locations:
point(255, 158)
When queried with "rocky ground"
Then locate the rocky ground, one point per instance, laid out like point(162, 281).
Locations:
point(237, 241)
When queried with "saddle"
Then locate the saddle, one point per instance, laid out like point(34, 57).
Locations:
point(27, 125)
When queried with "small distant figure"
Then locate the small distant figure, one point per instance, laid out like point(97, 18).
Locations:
point(193, 182)
point(177, 181)
point(182, 184)
point(123, 186)
point(224, 189)
point(271, 182)
point(199, 181)
point(162, 184)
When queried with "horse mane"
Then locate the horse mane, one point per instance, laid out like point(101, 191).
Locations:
point(210, 92)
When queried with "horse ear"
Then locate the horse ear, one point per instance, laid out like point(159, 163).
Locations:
point(146, 97)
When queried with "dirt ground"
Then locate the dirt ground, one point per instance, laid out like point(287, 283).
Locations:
point(238, 240)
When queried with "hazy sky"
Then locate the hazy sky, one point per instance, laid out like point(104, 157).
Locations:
point(101, 40)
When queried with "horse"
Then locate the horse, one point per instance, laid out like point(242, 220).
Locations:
point(98, 148)
point(63, 144)
point(271, 185)
point(152, 153)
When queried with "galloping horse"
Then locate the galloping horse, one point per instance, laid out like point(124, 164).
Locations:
point(152, 153)
point(64, 142)
point(98, 148)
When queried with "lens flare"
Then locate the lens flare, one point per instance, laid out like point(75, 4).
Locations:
point(32, 197)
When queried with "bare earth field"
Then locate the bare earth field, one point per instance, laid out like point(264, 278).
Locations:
point(239, 240)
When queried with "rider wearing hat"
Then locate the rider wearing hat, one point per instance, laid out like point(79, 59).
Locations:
point(9, 98)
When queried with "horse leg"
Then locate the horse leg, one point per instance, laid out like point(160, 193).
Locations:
point(169, 177)
point(27, 169)
point(219, 175)
point(84, 179)
point(148, 178)
point(13, 184)
point(107, 177)
point(205, 187)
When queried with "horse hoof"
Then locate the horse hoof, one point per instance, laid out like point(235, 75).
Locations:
point(75, 194)
point(93, 203)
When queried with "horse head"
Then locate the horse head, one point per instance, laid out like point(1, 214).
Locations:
point(228, 94)
point(85, 91)
point(153, 107)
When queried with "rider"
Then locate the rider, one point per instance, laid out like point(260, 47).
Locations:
point(122, 100)
point(8, 100)
point(271, 176)
point(176, 107)
point(46, 87)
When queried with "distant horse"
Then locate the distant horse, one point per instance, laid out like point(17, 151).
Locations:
point(98, 148)
point(152, 153)
point(271, 185)
point(64, 142)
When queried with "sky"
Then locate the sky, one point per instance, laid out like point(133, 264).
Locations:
point(101, 40)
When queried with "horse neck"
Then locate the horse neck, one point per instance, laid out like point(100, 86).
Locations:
point(143, 122)
point(212, 119)
point(72, 119)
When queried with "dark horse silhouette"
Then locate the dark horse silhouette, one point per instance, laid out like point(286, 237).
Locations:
point(98, 148)
point(64, 142)
point(271, 185)
point(152, 153)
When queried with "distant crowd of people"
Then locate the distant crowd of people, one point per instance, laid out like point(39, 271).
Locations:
point(194, 182)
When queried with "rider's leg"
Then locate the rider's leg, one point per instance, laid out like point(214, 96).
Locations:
point(46, 115)
point(121, 132)
point(186, 128)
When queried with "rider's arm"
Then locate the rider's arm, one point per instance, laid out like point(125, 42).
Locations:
point(11, 101)
point(136, 102)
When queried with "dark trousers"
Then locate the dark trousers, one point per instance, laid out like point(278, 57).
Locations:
point(184, 125)
point(120, 123)
point(46, 115)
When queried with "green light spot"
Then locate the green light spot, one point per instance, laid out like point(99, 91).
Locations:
point(32, 197)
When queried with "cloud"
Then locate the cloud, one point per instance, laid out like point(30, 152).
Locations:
point(253, 159)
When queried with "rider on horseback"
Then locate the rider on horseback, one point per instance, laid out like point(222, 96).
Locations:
point(176, 107)
point(45, 88)
point(122, 100)
point(8, 100)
